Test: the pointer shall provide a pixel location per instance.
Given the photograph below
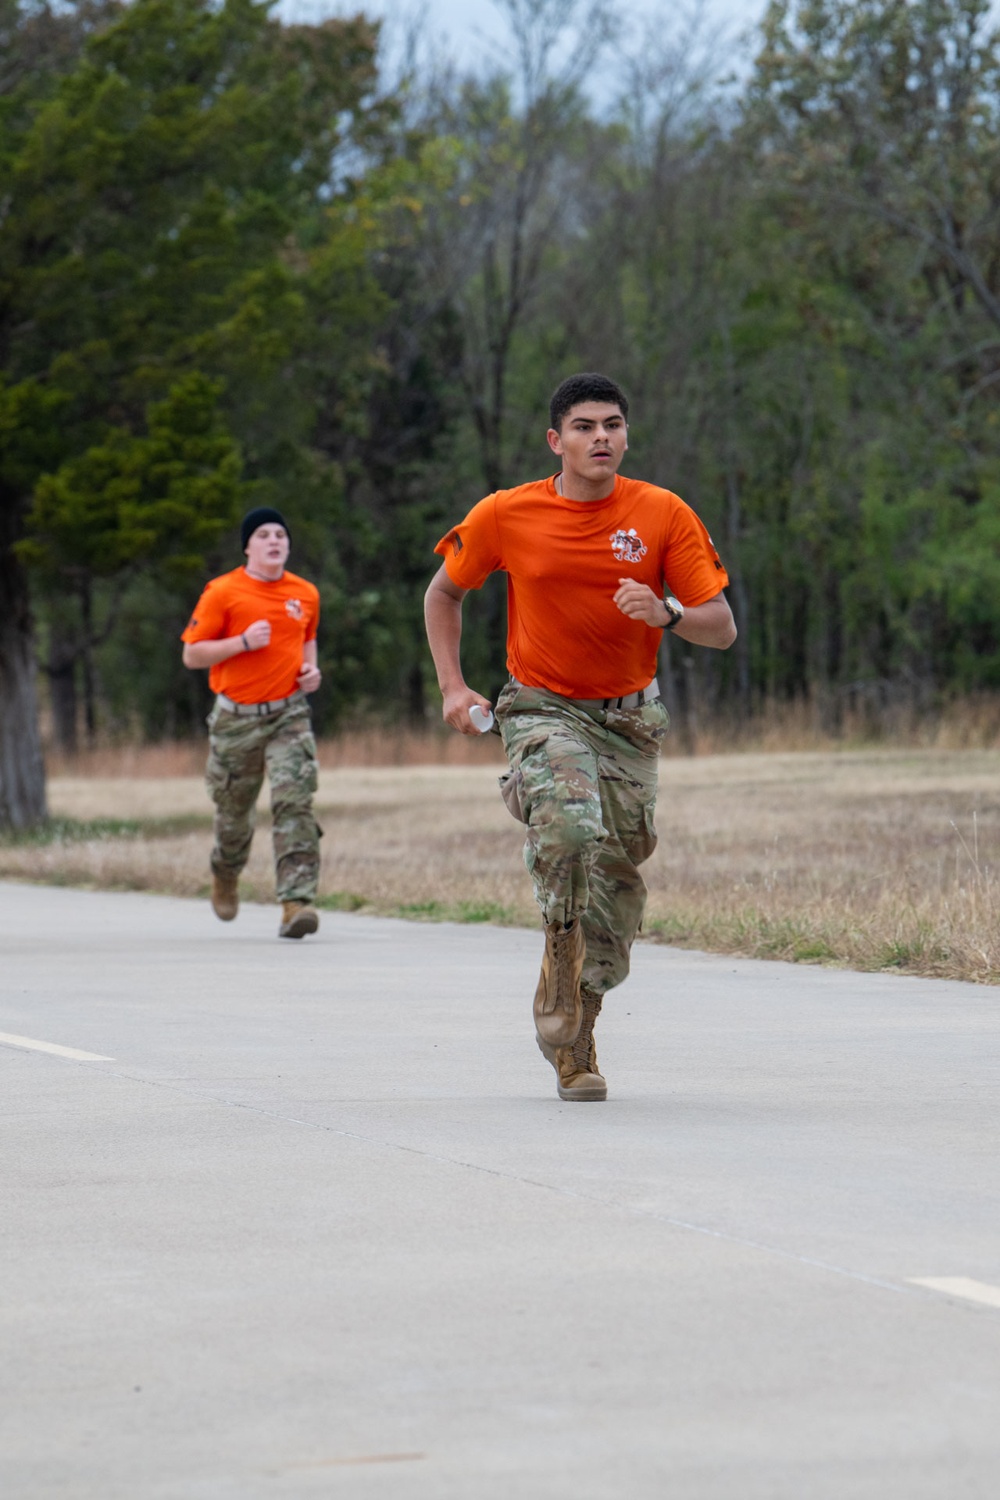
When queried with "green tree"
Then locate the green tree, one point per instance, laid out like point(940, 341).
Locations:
point(151, 296)
point(129, 503)
point(875, 127)
point(38, 44)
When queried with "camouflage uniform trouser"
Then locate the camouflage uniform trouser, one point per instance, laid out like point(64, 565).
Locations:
point(240, 750)
point(586, 784)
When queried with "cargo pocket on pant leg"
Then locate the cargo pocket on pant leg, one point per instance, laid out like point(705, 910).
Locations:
point(643, 840)
point(511, 786)
point(313, 767)
point(218, 778)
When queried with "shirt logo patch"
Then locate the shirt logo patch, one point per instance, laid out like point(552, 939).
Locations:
point(627, 546)
point(294, 608)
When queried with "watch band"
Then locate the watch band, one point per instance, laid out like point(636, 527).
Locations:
point(675, 610)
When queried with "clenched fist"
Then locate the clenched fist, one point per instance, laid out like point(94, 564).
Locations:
point(639, 602)
point(258, 635)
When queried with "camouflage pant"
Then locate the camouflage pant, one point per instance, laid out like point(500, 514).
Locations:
point(240, 750)
point(586, 783)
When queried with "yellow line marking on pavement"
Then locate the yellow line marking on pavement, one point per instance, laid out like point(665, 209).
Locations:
point(31, 1045)
point(961, 1286)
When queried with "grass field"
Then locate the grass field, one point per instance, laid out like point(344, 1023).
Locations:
point(876, 859)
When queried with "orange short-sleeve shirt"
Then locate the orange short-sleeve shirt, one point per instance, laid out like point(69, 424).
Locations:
point(564, 560)
point(233, 602)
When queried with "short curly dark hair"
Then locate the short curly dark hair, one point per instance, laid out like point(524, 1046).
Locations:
point(587, 387)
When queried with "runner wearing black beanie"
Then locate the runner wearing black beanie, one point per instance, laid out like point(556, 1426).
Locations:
point(262, 516)
point(255, 629)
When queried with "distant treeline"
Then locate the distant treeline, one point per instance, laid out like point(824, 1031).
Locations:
point(244, 262)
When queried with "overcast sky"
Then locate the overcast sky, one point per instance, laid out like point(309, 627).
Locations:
point(470, 29)
point(465, 23)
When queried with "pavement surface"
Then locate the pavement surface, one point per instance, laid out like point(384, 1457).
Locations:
point(311, 1221)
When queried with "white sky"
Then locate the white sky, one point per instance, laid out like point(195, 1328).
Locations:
point(472, 31)
point(466, 25)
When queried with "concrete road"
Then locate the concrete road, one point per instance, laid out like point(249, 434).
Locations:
point(312, 1222)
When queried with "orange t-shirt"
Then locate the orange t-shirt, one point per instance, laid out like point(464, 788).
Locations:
point(564, 559)
point(233, 602)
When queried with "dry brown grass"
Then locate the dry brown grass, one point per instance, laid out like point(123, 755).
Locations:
point(356, 747)
point(970, 723)
point(877, 859)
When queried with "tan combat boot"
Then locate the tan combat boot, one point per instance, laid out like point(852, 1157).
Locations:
point(225, 895)
point(297, 918)
point(576, 1066)
point(558, 1008)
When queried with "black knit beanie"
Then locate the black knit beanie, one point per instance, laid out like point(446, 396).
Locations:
point(260, 517)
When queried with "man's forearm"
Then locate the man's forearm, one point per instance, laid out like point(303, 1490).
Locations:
point(710, 624)
point(210, 653)
point(443, 620)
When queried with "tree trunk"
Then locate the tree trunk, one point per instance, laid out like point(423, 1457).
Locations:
point(22, 772)
point(87, 661)
point(738, 591)
point(674, 676)
point(416, 698)
point(61, 673)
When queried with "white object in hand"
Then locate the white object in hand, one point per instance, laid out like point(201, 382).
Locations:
point(482, 718)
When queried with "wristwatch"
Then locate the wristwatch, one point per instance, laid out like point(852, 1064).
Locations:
point(675, 610)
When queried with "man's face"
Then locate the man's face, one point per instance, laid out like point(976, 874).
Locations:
point(267, 549)
point(592, 440)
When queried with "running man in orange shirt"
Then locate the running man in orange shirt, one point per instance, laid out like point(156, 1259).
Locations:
point(255, 630)
point(598, 566)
